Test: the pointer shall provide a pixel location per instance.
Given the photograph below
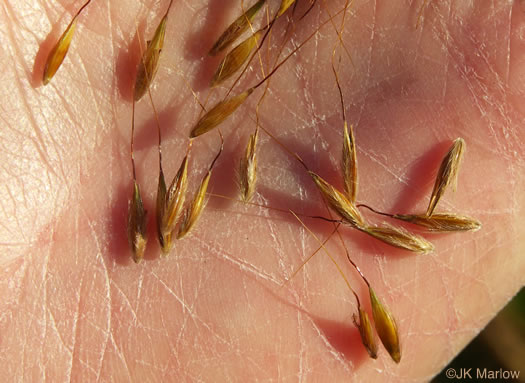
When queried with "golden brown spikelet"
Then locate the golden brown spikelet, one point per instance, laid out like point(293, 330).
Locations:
point(447, 173)
point(386, 327)
point(197, 205)
point(349, 163)
point(168, 215)
point(442, 222)
point(165, 243)
point(248, 168)
point(149, 62)
point(235, 59)
point(285, 4)
point(236, 29)
point(339, 202)
point(194, 211)
point(367, 333)
point(219, 113)
point(400, 238)
point(137, 221)
point(58, 53)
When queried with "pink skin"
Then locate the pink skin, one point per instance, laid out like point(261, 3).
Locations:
point(74, 305)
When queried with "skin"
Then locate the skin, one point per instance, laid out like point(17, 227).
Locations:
point(75, 307)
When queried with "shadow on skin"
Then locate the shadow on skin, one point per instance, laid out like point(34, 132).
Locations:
point(421, 178)
point(118, 241)
point(127, 62)
point(343, 337)
point(146, 135)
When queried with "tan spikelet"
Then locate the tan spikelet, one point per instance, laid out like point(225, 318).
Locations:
point(219, 113)
point(165, 243)
point(58, 53)
point(349, 163)
point(339, 202)
point(235, 59)
point(137, 221)
point(173, 204)
point(248, 168)
point(386, 327)
point(197, 205)
point(367, 333)
point(447, 173)
point(149, 62)
point(441, 222)
point(236, 29)
point(400, 238)
point(285, 4)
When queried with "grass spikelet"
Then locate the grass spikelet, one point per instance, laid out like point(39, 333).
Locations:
point(349, 155)
point(197, 205)
point(437, 222)
point(149, 62)
point(234, 60)
point(349, 163)
point(400, 238)
point(173, 203)
point(441, 222)
point(236, 29)
point(164, 239)
point(219, 113)
point(58, 53)
point(137, 220)
point(366, 331)
point(447, 173)
point(339, 202)
point(386, 327)
point(248, 168)
point(285, 4)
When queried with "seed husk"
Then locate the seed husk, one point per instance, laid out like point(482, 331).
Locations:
point(137, 221)
point(236, 29)
point(235, 59)
point(248, 168)
point(447, 173)
point(285, 4)
point(58, 53)
point(441, 222)
point(349, 163)
point(165, 243)
point(399, 238)
point(219, 113)
point(339, 202)
point(197, 205)
point(366, 331)
point(149, 62)
point(386, 327)
point(168, 215)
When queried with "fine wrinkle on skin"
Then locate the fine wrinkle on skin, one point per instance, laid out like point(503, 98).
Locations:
point(188, 309)
point(243, 266)
point(108, 297)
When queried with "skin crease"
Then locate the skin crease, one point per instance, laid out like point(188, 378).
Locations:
point(75, 307)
